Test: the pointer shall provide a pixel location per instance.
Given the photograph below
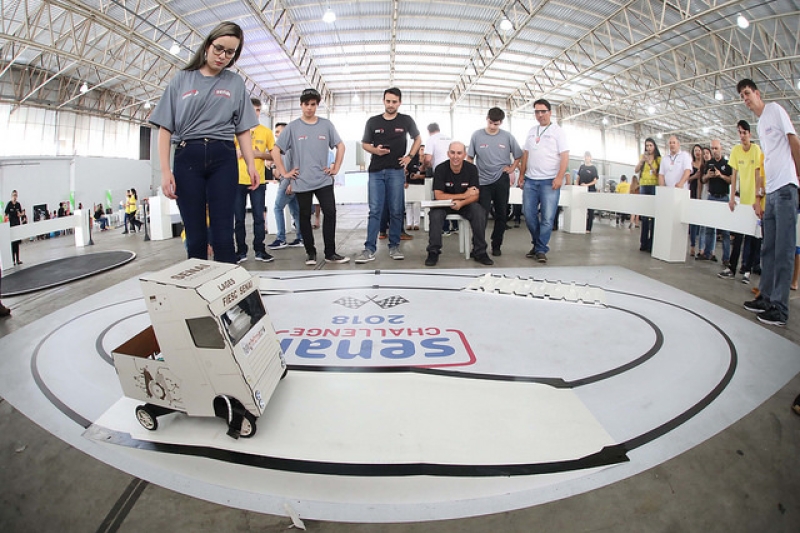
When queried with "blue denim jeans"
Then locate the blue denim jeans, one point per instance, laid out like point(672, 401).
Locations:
point(239, 212)
point(206, 176)
point(778, 247)
point(711, 236)
point(281, 201)
point(540, 205)
point(648, 223)
point(386, 187)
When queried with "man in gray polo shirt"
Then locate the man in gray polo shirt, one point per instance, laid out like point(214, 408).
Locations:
point(496, 154)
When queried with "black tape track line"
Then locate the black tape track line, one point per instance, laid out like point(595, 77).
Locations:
point(123, 507)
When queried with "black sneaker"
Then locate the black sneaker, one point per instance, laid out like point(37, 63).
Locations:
point(772, 317)
point(484, 259)
point(241, 257)
point(496, 251)
point(264, 256)
point(295, 243)
point(759, 305)
point(311, 258)
point(432, 259)
point(336, 258)
point(726, 274)
point(541, 257)
point(531, 254)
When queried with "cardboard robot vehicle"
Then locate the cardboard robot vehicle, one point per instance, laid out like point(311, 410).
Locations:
point(211, 349)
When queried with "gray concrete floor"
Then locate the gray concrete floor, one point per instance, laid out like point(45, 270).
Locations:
point(744, 479)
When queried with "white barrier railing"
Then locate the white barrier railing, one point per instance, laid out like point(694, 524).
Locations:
point(78, 221)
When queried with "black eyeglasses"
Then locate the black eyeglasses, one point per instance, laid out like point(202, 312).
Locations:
point(220, 50)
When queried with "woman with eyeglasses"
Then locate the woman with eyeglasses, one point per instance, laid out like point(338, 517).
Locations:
point(204, 106)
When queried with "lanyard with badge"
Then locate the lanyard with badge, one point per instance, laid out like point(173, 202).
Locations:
point(539, 136)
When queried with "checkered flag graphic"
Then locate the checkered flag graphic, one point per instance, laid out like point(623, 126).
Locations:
point(350, 302)
point(391, 301)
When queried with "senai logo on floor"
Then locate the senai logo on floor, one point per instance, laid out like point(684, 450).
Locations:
point(374, 331)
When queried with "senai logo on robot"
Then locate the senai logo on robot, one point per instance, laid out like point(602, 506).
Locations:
point(368, 337)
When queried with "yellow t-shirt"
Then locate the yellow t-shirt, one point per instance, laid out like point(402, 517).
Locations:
point(263, 141)
point(745, 164)
point(623, 188)
point(648, 175)
point(130, 205)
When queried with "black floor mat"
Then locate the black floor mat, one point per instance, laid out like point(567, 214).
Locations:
point(45, 275)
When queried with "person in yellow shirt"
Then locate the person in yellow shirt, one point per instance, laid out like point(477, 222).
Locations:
point(622, 188)
point(647, 168)
point(130, 211)
point(746, 161)
point(263, 141)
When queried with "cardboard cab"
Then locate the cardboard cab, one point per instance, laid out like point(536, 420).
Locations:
point(211, 349)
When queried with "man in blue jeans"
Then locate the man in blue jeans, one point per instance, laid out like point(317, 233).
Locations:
point(781, 149)
point(263, 140)
point(285, 197)
point(385, 138)
point(718, 176)
point(545, 157)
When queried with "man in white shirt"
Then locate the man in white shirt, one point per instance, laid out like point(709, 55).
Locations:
point(545, 158)
point(781, 149)
point(676, 167)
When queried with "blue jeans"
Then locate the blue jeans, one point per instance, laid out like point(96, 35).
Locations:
point(648, 223)
point(240, 210)
point(386, 186)
point(778, 247)
point(206, 176)
point(282, 200)
point(711, 237)
point(540, 205)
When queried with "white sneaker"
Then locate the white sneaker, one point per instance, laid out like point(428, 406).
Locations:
point(365, 257)
point(395, 253)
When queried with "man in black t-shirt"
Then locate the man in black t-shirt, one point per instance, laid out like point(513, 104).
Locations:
point(457, 180)
point(718, 176)
point(385, 137)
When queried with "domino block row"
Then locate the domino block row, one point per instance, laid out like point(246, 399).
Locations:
point(532, 288)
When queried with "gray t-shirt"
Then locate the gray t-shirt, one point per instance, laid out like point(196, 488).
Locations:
point(492, 153)
point(310, 145)
point(195, 107)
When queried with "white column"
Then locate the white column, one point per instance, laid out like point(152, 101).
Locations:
point(670, 234)
point(573, 198)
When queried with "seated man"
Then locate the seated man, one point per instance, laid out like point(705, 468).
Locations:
point(457, 180)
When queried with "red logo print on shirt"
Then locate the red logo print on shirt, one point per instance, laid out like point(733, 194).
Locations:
point(187, 94)
point(225, 93)
point(322, 138)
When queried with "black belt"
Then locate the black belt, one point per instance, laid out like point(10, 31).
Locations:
point(204, 140)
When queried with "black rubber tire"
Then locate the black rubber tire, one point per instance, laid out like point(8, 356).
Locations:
point(146, 418)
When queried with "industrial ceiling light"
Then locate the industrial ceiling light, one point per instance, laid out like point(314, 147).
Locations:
point(175, 49)
point(356, 98)
point(605, 121)
point(147, 105)
point(718, 96)
point(329, 16)
point(742, 22)
point(660, 136)
point(651, 109)
point(84, 88)
point(506, 25)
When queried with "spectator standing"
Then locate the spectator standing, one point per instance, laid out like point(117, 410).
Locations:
point(544, 161)
point(203, 107)
point(587, 177)
point(647, 169)
point(310, 139)
point(263, 140)
point(496, 154)
point(781, 167)
point(386, 139)
point(718, 176)
point(746, 163)
point(285, 197)
point(14, 213)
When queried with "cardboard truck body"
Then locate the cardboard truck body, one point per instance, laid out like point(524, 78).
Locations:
point(211, 349)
